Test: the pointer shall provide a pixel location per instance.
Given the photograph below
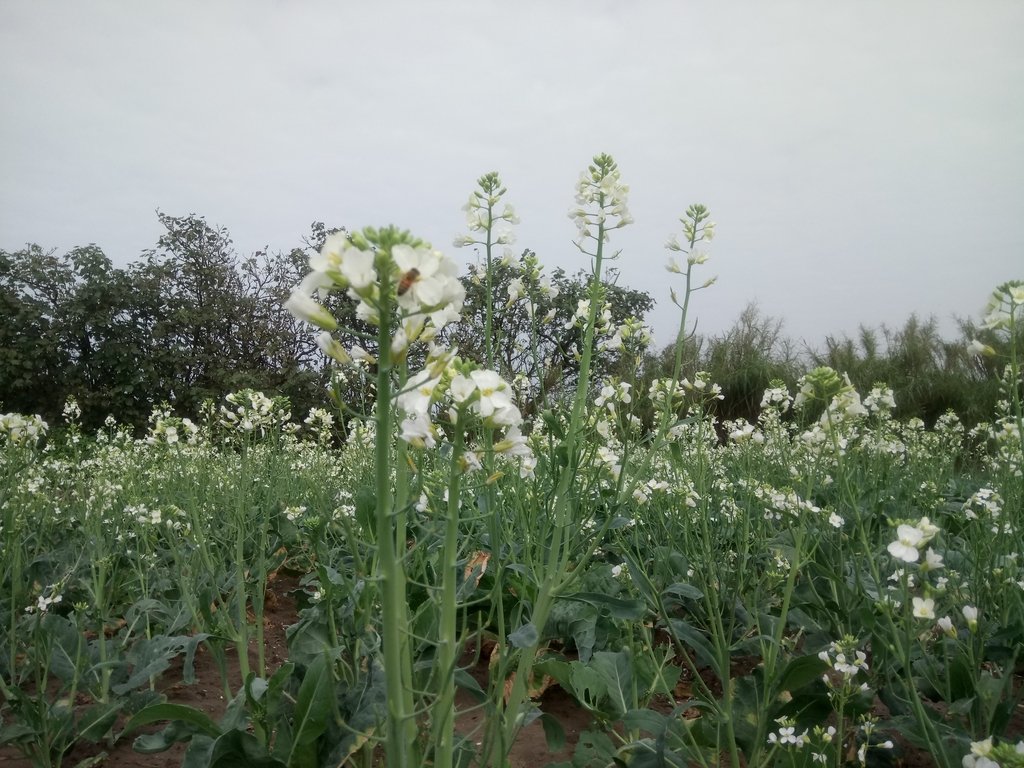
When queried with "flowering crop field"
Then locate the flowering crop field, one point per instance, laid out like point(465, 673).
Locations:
point(826, 585)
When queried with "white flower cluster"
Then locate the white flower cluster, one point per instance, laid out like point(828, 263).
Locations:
point(983, 502)
point(425, 284)
point(22, 430)
point(71, 411)
point(778, 398)
point(601, 197)
point(741, 431)
point(845, 662)
point(985, 754)
point(44, 601)
point(613, 392)
point(252, 412)
point(702, 389)
point(1003, 305)
point(881, 400)
point(634, 332)
point(602, 323)
point(166, 429)
point(481, 216)
point(482, 392)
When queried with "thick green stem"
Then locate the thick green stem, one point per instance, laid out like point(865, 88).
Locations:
point(401, 732)
point(447, 640)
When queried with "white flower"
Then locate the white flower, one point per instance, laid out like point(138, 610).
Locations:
point(357, 267)
point(979, 756)
point(970, 613)
point(428, 279)
point(461, 388)
point(516, 290)
point(302, 306)
point(924, 608)
point(927, 529)
point(332, 347)
point(513, 444)
point(906, 544)
point(932, 560)
point(417, 430)
point(494, 392)
point(332, 254)
point(419, 391)
point(527, 466)
point(946, 625)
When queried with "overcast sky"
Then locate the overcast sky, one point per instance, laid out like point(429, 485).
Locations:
point(863, 160)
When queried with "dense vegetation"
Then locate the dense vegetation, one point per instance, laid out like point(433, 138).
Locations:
point(193, 320)
point(510, 492)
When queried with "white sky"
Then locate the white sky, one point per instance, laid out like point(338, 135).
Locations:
point(863, 160)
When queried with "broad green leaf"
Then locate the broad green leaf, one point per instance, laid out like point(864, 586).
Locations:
point(587, 685)
point(96, 721)
point(313, 705)
point(238, 749)
point(619, 607)
point(691, 637)
point(166, 711)
point(554, 733)
point(616, 671)
point(801, 671)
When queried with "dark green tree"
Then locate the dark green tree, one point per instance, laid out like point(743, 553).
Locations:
point(534, 336)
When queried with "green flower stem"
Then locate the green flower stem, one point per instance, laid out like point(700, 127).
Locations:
point(488, 298)
point(447, 639)
point(241, 597)
point(401, 731)
point(1018, 410)
point(558, 553)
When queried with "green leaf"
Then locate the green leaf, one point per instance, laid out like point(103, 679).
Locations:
point(96, 721)
point(701, 647)
point(165, 711)
point(646, 720)
point(524, 637)
point(682, 589)
point(150, 657)
point(313, 706)
point(554, 733)
point(616, 670)
point(587, 685)
point(161, 741)
point(468, 683)
point(619, 608)
point(238, 749)
point(801, 671)
point(584, 634)
point(366, 707)
point(15, 732)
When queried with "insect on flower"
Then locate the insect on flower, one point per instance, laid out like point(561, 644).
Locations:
point(407, 280)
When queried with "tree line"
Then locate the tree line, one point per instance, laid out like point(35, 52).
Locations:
point(193, 320)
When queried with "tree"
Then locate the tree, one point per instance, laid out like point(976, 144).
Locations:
point(535, 339)
point(72, 331)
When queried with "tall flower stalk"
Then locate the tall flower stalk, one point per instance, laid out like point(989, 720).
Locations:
point(601, 207)
point(409, 292)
